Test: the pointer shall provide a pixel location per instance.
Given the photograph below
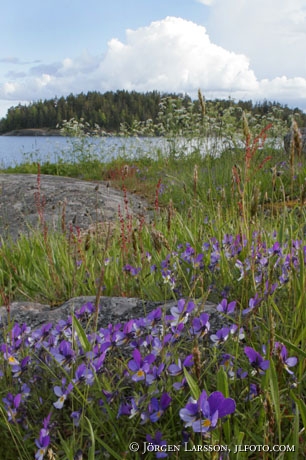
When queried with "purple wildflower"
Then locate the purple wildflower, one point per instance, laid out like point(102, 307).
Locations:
point(42, 443)
point(158, 441)
point(225, 307)
point(181, 312)
point(44, 439)
point(253, 303)
point(140, 367)
point(157, 408)
point(282, 352)
point(220, 336)
point(203, 415)
point(64, 355)
point(200, 326)
point(12, 404)
point(62, 394)
point(132, 270)
point(177, 369)
point(256, 360)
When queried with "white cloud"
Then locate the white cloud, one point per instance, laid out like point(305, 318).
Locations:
point(172, 55)
point(271, 32)
point(206, 2)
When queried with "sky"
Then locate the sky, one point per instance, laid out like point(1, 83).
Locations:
point(238, 49)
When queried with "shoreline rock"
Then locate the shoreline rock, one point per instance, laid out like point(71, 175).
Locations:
point(112, 310)
point(61, 200)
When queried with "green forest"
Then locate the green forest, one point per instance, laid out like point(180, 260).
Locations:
point(111, 110)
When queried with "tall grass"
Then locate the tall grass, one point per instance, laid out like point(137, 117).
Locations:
point(228, 228)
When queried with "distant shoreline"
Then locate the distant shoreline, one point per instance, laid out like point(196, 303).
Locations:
point(36, 132)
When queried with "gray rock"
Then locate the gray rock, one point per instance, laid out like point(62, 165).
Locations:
point(287, 140)
point(62, 201)
point(112, 310)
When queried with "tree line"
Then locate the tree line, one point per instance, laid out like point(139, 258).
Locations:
point(111, 110)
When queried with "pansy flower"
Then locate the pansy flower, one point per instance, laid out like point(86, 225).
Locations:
point(225, 307)
point(203, 415)
point(282, 352)
point(256, 360)
point(140, 366)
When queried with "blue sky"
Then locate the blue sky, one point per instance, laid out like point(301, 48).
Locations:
point(244, 49)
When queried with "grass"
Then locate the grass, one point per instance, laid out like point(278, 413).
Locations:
point(230, 229)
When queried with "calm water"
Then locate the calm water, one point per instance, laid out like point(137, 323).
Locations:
point(15, 150)
point(18, 149)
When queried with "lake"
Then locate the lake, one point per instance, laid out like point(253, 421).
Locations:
point(15, 150)
point(18, 149)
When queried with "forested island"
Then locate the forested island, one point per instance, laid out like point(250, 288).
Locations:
point(112, 109)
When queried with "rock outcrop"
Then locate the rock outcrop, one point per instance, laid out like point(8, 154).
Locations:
point(61, 201)
point(112, 310)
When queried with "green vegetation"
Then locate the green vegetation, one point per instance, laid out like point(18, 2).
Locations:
point(226, 227)
point(112, 109)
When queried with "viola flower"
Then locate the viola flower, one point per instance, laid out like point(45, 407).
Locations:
point(181, 384)
point(64, 354)
point(85, 311)
point(130, 408)
point(200, 326)
point(157, 441)
point(12, 404)
point(253, 393)
point(132, 270)
point(237, 332)
point(18, 335)
point(11, 359)
point(169, 278)
point(227, 361)
point(197, 261)
point(214, 260)
point(243, 268)
point(177, 369)
point(62, 393)
point(41, 334)
point(253, 302)
point(157, 408)
point(241, 374)
point(76, 416)
point(42, 443)
point(140, 367)
point(203, 415)
point(154, 317)
point(225, 307)
point(18, 369)
point(155, 373)
point(220, 336)
point(176, 332)
point(256, 360)
point(181, 313)
point(282, 352)
point(83, 374)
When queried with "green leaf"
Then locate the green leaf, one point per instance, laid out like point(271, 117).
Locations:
point(275, 397)
point(195, 391)
point(81, 334)
point(91, 452)
point(301, 405)
point(109, 449)
point(222, 382)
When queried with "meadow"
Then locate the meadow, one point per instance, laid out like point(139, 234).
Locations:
point(228, 227)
